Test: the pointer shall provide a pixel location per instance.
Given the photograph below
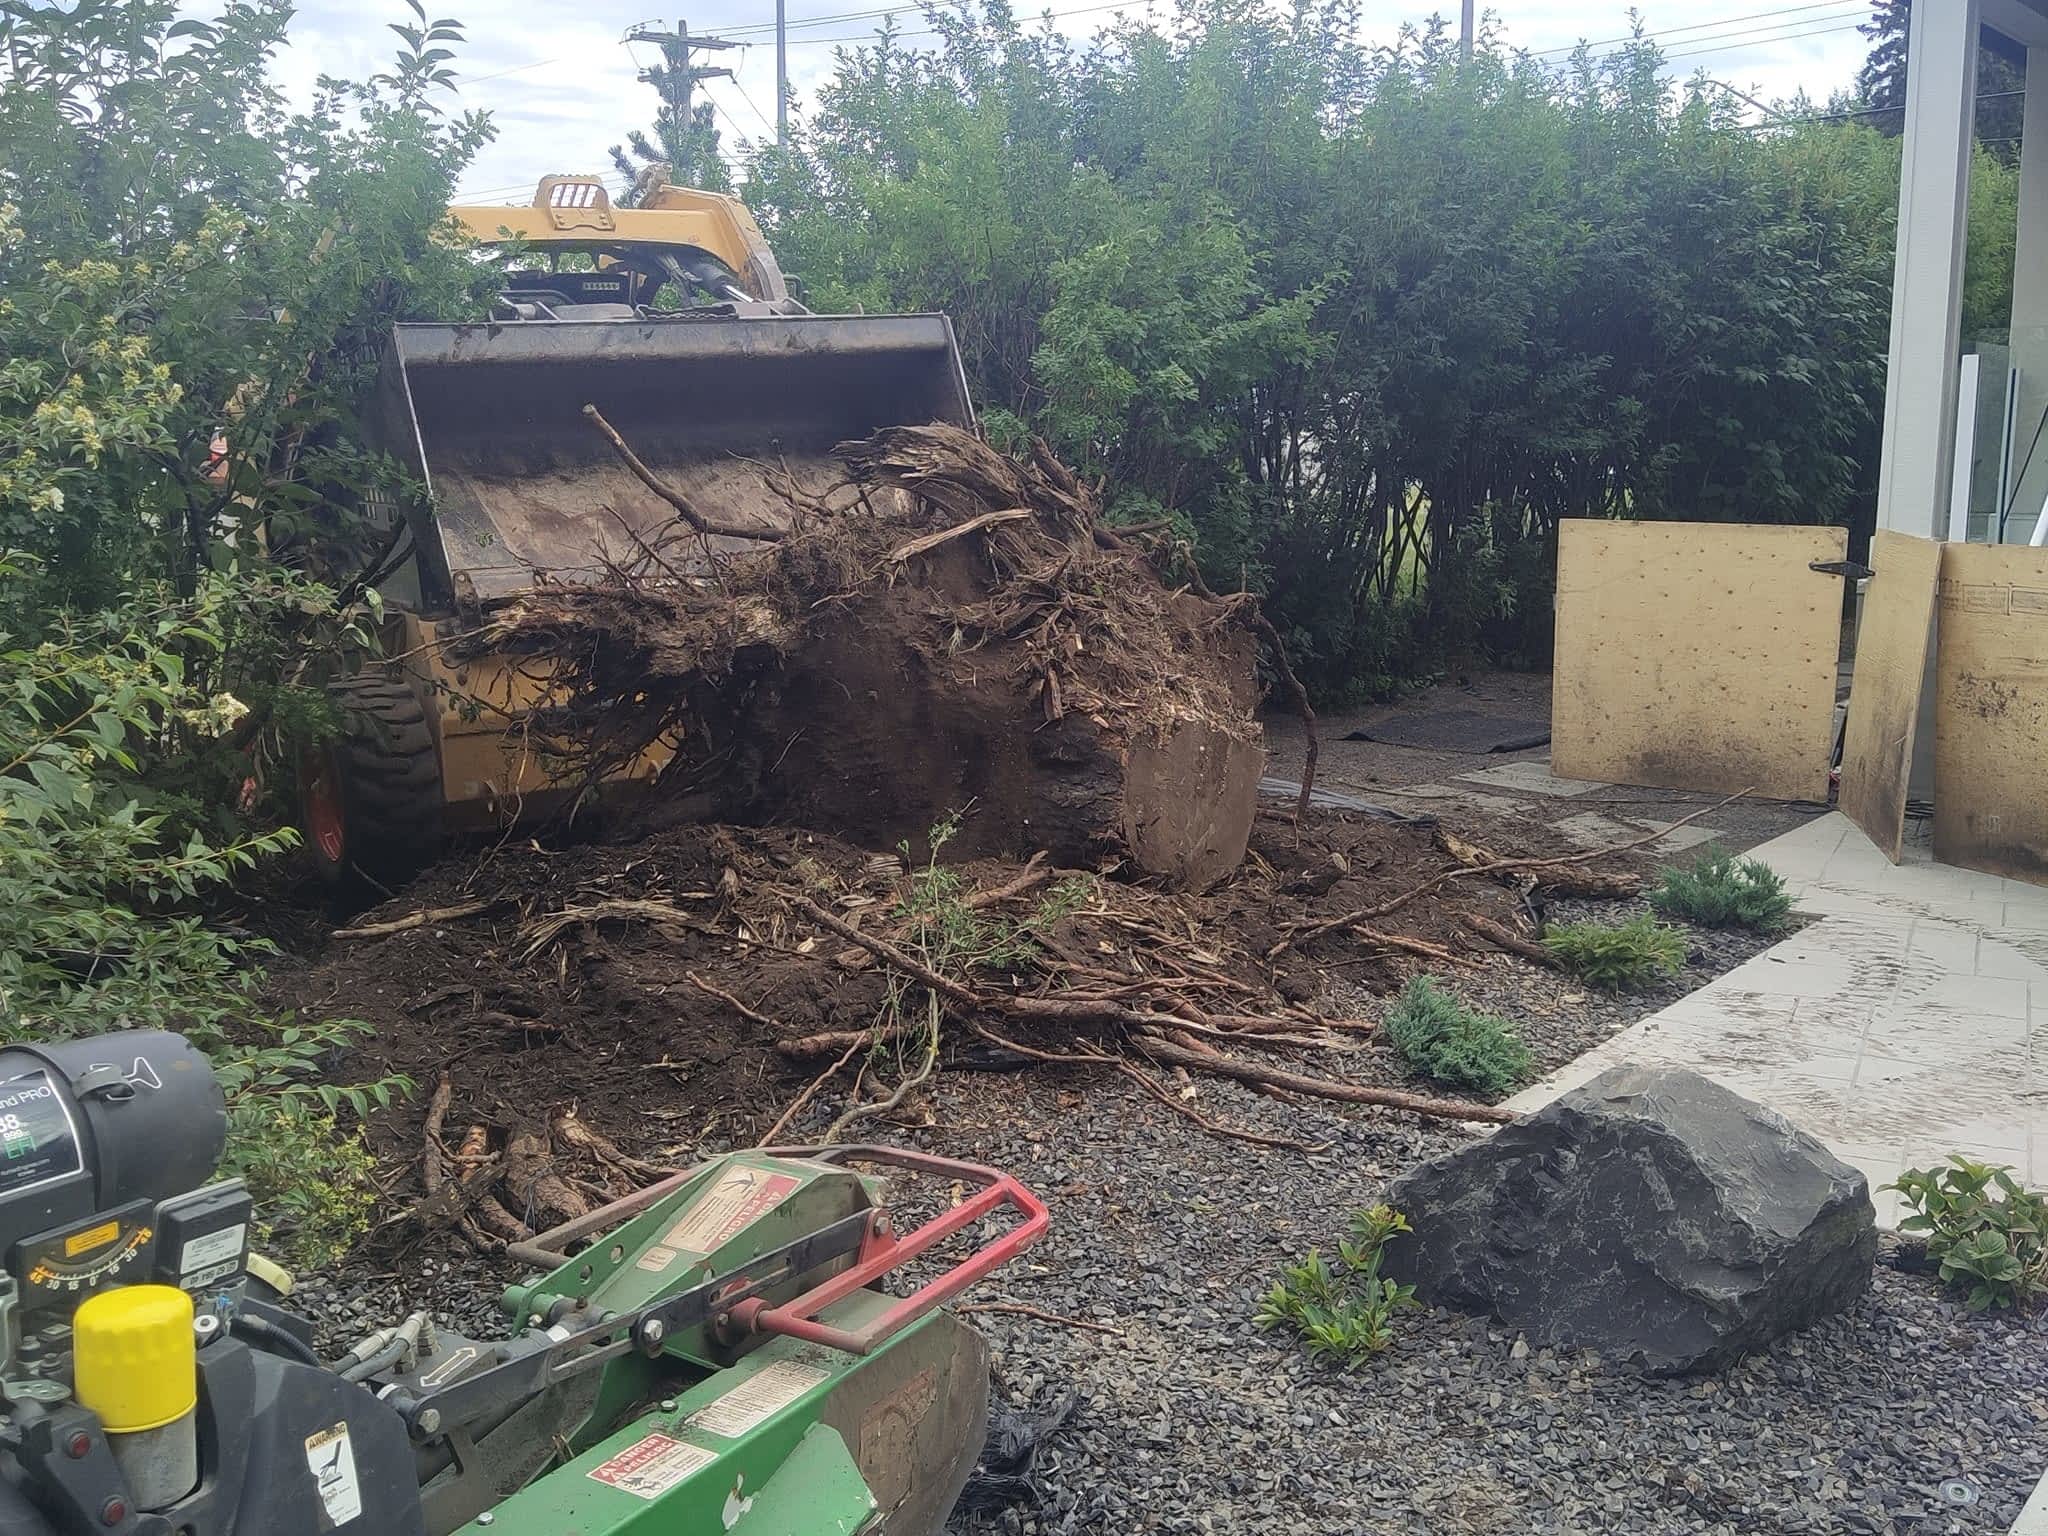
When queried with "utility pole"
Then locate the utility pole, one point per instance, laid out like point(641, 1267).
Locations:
point(781, 72)
point(1465, 32)
point(677, 77)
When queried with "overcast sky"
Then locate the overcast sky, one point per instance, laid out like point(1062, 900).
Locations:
point(561, 82)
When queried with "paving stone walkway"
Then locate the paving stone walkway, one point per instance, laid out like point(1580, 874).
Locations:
point(1909, 1021)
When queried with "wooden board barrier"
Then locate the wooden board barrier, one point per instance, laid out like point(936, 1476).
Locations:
point(1991, 711)
point(1696, 656)
point(1891, 670)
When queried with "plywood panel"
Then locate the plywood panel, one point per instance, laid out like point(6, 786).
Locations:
point(1696, 656)
point(1991, 711)
point(1884, 700)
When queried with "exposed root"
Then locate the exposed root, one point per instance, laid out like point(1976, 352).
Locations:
point(1507, 939)
point(1320, 1087)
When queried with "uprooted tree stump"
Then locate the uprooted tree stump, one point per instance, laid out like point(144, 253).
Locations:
point(971, 633)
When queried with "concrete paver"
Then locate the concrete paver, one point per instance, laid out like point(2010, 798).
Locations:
point(1909, 1021)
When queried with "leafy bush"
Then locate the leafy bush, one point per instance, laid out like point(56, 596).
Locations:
point(1723, 891)
point(1255, 318)
point(1622, 957)
point(98, 926)
point(1347, 1314)
point(196, 285)
point(1441, 1038)
point(1986, 1231)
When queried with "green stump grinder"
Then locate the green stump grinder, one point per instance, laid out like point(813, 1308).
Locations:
point(715, 1353)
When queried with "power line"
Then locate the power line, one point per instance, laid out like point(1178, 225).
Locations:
point(771, 127)
point(1790, 37)
point(1705, 26)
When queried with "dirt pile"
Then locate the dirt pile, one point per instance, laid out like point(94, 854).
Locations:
point(580, 1015)
point(969, 634)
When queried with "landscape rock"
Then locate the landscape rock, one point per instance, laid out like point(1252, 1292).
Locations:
point(1650, 1215)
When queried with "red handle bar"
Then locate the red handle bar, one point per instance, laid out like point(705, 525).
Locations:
point(883, 1252)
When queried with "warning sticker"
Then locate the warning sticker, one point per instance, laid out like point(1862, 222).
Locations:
point(651, 1467)
point(740, 1196)
point(332, 1461)
point(750, 1404)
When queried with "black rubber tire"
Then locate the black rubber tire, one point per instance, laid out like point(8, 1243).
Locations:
point(385, 772)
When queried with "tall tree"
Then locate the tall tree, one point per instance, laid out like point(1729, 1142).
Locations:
point(1882, 81)
point(686, 142)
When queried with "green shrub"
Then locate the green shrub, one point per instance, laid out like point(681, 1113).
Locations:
point(1345, 1314)
point(1441, 1038)
point(1986, 1231)
point(1622, 957)
point(312, 1179)
point(99, 927)
point(1722, 891)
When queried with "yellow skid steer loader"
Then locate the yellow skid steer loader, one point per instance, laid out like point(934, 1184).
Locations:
point(675, 321)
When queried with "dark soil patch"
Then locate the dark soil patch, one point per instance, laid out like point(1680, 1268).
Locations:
point(604, 1012)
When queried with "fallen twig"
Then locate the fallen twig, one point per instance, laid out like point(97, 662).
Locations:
point(1551, 875)
point(1367, 914)
point(1214, 1127)
point(425, 918)
point(797, 1104)
point(750, 1014)
point(1018, 1309)
point(1420, 947)
point(1090, 1057)
point(1319, 1087)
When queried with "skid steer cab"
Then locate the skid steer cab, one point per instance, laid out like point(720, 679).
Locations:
point(712, 1354)
point(673, 320)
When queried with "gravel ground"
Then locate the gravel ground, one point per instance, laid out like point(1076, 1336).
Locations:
point(1904, 1415)
point(1560, 1017)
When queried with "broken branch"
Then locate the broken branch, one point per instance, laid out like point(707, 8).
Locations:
point(425, 918)
point(685, 508)
point(1507, 939)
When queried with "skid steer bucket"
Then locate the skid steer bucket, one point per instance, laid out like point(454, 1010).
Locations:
point(526, 488)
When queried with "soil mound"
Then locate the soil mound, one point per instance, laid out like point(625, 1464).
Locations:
point(970, 634)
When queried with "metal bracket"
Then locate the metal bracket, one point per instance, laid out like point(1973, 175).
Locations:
point(508, 1383)
point(1855, 570)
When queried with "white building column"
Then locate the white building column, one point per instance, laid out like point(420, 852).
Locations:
point(2030, 306)
point(1927, 282)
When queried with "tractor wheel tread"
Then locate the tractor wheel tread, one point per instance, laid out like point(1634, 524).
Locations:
point(390, 772)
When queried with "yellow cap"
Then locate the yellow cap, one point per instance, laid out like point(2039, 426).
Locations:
point(134, 1359)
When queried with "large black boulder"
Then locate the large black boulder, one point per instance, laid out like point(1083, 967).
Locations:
point(1650, 1214)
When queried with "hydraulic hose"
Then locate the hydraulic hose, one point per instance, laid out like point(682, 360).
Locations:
point(268, 1335)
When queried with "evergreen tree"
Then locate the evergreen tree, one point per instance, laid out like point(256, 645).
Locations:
point(1882, 82)
point(688, 147)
